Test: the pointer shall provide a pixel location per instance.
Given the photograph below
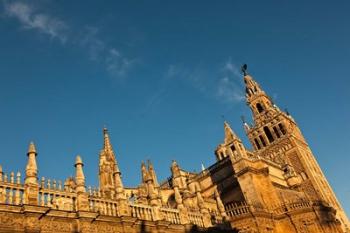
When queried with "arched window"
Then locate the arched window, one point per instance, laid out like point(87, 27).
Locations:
point(276, 132)
point(257, 144)
point(262, 140)
point(268, 134)
point(283, 130)
point(259, 107)
point(233, 148)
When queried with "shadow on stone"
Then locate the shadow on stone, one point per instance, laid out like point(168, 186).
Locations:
point(196, 229)
point(143, 227)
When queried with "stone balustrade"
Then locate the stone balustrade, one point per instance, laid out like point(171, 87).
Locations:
point(171, 215)
point(58, 196)
point(11, 189)
point(196, 218)
point(237, 209)
point(292, 206)
point(143, 212)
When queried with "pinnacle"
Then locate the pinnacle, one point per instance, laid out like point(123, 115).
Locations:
point(78, 160)
point(107, 144)
point(31, 148)
point(229, 134)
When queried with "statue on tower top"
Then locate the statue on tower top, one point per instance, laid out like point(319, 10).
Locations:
point(244, 69)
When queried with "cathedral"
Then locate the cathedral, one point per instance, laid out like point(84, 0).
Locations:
point(275, 187)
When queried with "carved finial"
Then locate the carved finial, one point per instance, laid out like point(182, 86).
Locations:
point(42, 182)
point(18, 180)
point(244, 69)
point(12, 177)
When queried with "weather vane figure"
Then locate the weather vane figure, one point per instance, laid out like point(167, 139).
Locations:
point(244, 69)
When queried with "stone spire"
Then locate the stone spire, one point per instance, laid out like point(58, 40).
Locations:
point(31, 186)
point(107, 166)
point(229, 134)
point(107, 146)
point(256, 98)
point(152, 173)
point(31, 168)
point(232, 145)
point(117, 178)
point(82, 196)
point(79, 175)
point(144, 173)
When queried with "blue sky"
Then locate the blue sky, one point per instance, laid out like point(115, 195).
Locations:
point(160, 74)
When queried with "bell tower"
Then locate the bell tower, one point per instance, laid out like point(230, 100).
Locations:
point(276, 136)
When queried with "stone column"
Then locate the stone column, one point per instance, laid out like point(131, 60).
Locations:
point(202, 207)
point(182, 209)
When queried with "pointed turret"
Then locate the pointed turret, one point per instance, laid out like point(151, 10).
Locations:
point(107, 166)
point(79, 175)
point(107, 146)
point(229, 134)
point(31, 168)
point(144, 173)
point(31, 186)
point(152, 173)
point(232, 145)
point(179, 178)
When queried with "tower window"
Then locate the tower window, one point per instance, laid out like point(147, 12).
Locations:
point(233, 148)
point(276, 132)
point(257, 144)
point(262, 140)
point(222, 155)
point(259, 107)
point(283, 130)
point(268, 134)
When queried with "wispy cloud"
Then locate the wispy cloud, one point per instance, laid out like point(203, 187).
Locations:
point(93, 45)
point(117, 64)
point(32, 19)
point(229, 88)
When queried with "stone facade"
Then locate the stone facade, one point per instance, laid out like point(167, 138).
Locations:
point(276, 187)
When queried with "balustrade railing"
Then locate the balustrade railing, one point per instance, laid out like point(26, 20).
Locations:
point(291, 206)
point(143, 212)
point(11, 190)
point(237, 209)
point(103, 206)
point(196, 218)
point(171, 215)
point(52, 194)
